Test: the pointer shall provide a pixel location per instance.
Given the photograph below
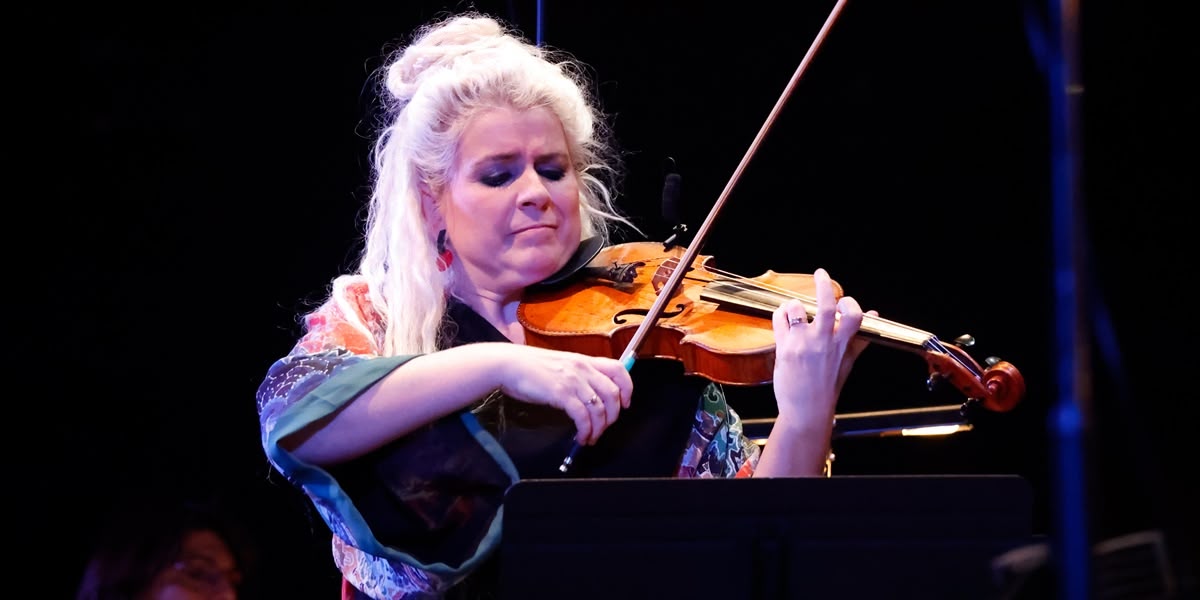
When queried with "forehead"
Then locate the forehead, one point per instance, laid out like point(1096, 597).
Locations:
point(500, 132)
point(208, 545)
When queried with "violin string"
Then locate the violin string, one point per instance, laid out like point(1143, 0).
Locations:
point(745, 284)
point(935, 343)
point(932, 343)
point(738, 282)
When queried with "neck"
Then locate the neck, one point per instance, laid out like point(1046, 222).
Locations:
point(500, 312)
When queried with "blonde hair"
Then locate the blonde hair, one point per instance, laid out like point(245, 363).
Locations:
point(430, 89)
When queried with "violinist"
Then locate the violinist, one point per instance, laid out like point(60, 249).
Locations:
point(412, 401)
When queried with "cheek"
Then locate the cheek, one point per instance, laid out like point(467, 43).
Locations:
point(172, 591)
point(469, 216)
point(567, 199)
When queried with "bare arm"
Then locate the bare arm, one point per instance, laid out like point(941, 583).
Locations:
point(434, 385)
point(795, 449)
point(812, 360)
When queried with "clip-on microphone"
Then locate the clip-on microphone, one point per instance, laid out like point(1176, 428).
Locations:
point(670, 209)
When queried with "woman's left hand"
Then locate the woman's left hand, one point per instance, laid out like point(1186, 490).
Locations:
point(813, 358)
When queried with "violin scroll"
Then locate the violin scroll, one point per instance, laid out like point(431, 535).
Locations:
point(999, 387)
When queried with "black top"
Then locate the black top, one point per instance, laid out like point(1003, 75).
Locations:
point(647, 439)
point(433, 491)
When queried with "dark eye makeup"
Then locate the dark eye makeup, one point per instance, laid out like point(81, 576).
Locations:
point(499, 175)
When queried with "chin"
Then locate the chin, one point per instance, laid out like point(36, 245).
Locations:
point(542, 272)
point(535, 268)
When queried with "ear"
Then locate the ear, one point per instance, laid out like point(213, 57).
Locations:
point(429, 208)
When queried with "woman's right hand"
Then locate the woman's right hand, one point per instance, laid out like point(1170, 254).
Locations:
point(591, 390)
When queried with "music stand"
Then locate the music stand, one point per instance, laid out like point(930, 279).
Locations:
point(927, 536)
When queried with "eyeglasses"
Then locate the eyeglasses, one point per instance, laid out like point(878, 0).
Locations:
point(204, 574)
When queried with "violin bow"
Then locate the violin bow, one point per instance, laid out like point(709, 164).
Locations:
point(630, 354)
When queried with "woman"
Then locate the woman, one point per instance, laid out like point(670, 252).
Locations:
point(157, 547)
point(411, 402)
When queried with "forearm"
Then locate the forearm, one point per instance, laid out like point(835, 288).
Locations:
point(796, 448)
point(421, 391)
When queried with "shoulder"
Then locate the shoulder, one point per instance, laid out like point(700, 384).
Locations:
point(347, 318)
point(353, 293)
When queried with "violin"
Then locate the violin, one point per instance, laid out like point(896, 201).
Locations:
point(718, 324)
point(715, 323)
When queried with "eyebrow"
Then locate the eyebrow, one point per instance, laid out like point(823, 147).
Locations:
point(209, 560)
point(510, 156)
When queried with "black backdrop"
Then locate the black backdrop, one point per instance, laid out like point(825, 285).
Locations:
point(211, 183)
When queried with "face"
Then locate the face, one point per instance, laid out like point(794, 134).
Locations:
point(205, 570)
point(511, 205)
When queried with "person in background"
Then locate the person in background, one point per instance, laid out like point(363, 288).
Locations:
point(411, 400)
point(159, 547)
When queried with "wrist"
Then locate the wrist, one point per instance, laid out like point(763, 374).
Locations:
point(805, 422)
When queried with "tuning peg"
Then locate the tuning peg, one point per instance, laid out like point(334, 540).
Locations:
point(964, 341)
point(932, 381)
point(991, 361)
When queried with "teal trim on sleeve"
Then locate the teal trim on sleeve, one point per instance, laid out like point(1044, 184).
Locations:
point(491, 540)
point(491, 445)
point(329, 397)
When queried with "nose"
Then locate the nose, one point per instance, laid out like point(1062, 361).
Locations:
point(225, 592)
point(531, 189)
point(222, 588)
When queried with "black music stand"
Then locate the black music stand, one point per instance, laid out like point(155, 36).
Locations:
point(841, 537)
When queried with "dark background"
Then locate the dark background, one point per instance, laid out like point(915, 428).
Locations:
point(213, 166)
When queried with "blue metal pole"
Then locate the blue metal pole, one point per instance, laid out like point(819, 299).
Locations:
point(1069, 418)
point(539, 23)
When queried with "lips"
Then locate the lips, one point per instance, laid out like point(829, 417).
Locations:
point(533, 228)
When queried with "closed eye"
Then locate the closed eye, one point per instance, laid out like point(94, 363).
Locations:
point(496, 179)
point(503, 178)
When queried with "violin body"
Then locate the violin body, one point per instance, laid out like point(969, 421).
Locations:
point(718, 324)
point(597, 316)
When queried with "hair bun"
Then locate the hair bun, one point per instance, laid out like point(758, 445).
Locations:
point(440, 45)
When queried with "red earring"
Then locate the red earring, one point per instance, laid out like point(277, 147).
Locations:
point(445, 256)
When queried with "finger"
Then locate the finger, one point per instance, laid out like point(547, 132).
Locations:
point(602, 399)
point(598, 419)
point(614, 373)
point(779, 319)
point(858, 345)
point(625, 388)
point(611, 389)
point(850, 317)
point(581, 416)
point(610, 400)
point(823, 318)
point(794, 315)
